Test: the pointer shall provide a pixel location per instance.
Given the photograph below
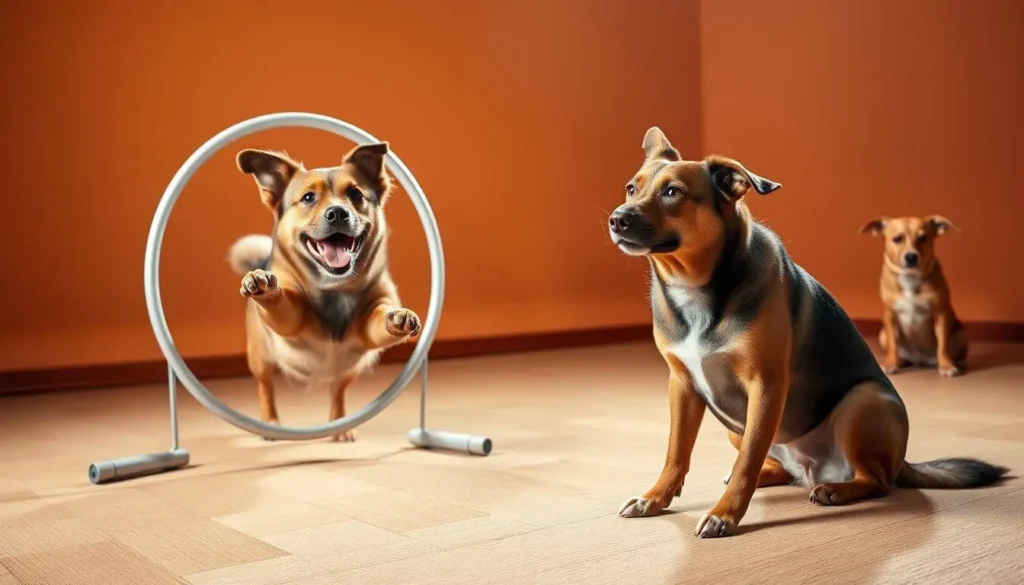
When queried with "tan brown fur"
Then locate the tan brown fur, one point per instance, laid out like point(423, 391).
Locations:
point(294, 304)
point(919, 325)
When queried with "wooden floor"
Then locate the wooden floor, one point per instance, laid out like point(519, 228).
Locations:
point(575, 433)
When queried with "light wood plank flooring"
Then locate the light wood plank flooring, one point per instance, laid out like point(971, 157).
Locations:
point(575, 433)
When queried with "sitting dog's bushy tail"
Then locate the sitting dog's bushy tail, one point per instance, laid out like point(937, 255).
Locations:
point(250, 253)
point(951, 473)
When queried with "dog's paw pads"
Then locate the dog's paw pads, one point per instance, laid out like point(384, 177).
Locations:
point(258, 283)
point(637, 507)
point(402, 323)
point(711, 526)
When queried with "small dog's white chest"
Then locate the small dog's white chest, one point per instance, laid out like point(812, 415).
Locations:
point(911, 310)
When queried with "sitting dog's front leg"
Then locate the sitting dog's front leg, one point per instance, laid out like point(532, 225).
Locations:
point(385, 325)
point(280, 308)
point(766, 400)
point(686, 409)
point(948, 365)
point(891, 336)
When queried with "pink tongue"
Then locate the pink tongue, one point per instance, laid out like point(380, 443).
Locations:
point(335, 256)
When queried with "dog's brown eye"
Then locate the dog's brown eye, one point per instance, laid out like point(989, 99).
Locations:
point(922, 239)
point(309, 197)
point(630, 189)
point(354, 194)
point(898, 239)
point(671, 192)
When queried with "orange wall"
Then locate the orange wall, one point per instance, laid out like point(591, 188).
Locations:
point(870, 108)
point(521, 120)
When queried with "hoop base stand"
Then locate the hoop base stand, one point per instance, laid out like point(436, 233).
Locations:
point(152, 463)
point(149, 463)
point(421, 437)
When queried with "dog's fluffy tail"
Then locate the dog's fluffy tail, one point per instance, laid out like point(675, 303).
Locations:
point(952, 473)
point(250, 253)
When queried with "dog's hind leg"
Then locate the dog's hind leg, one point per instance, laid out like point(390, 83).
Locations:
point(338, 410)
point(772, 472)
point(871, 430)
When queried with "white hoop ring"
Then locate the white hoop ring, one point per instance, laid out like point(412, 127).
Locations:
point(152, 276)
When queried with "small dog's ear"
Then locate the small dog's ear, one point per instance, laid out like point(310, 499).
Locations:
point(272, 171)
point(734, 180)
point(368, 159)
point(875, 227)
point(656, 145)
point(940, 224)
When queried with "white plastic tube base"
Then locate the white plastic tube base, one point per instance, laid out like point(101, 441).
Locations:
point(472, 444)
point(137, 465)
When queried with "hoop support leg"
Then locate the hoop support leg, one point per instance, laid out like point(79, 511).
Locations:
point(149, 463)
point(445, 440)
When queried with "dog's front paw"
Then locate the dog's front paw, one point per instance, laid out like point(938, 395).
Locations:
point(950, 370)
point(638, 506)
point(713, 526)
point(824, 495)
point(891, 366)
point(259, 284)
point(402, 323)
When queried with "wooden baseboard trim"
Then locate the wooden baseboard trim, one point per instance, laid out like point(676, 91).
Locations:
point(127, 374)
point(227, 366)
point(992, 331)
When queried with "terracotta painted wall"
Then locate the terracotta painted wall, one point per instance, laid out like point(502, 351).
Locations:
point(870, 108)
point(521, 120)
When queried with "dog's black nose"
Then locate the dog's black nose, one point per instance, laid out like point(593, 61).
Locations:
point(910, 258)
point(621, 220)
point(336, 215)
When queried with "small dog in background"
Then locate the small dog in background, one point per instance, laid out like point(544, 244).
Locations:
point(919, 326)
point(321, 303)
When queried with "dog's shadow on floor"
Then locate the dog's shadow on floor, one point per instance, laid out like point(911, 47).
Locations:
point(796, 537)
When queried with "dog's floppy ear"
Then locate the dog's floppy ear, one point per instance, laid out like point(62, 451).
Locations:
point(368, 159)
point(875, 227)
point(656, 145)
point(734, 180)
point(272, 171)
point(940, 224)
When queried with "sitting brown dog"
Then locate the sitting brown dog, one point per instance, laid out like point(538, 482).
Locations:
point(919, 326)
point(750, 336)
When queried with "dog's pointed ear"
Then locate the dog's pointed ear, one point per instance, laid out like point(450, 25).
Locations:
point(368, 159)
point(657, 146)
point(875, 227)
point(734, 180)
point(940, 224)
point(272, 171)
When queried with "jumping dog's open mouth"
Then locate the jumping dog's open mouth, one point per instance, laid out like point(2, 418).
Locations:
point(334, 252)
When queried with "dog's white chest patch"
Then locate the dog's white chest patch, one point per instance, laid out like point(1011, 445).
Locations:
point(696, 310)
point(317, 361)
point(910, 309)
